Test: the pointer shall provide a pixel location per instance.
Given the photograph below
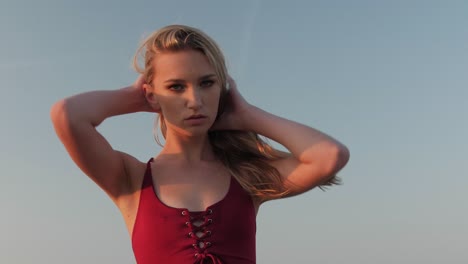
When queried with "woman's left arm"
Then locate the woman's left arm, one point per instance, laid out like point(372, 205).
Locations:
point(314, 156)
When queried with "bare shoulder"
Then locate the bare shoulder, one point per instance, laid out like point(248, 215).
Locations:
point(135, 170)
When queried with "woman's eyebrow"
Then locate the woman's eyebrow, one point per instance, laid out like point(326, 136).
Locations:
point(204, 77)
point(211, 75)
point(174, 81)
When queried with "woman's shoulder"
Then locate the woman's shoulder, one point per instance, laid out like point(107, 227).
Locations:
point(135, 170)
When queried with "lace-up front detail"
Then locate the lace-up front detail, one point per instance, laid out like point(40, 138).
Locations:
point(198, 225)
point(164, 234)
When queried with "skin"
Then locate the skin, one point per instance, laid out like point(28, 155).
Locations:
point(185, 84)
point(186, 173)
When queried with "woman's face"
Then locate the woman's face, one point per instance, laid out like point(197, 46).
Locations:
point(187, 91)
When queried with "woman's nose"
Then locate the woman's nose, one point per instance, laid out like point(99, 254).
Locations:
point(194, 98)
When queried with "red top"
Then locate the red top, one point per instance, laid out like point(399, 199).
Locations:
point(222, 234)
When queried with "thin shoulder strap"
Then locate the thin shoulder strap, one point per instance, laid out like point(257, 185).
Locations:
point(148, 179)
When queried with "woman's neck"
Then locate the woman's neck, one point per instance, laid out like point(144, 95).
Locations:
point(188, 149)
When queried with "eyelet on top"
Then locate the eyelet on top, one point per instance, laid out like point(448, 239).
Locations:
point(210, 211)
point(184, 212)
point(210, 220)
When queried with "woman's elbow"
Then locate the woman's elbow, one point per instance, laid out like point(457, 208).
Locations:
point(343, 157)
point(340, 158)
point(57, 111)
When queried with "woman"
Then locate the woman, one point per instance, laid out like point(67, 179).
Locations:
point(197, 200)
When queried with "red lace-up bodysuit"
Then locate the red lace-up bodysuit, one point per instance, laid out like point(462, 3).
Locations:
point(222, 234)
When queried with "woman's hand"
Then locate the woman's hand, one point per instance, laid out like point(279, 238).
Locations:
point(139, 86)
point(235, 112)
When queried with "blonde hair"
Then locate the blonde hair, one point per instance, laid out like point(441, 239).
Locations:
point(244, 154)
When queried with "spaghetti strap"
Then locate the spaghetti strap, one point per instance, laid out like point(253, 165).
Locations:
point(147, 178)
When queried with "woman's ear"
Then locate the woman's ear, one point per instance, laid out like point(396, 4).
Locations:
point(151, 97)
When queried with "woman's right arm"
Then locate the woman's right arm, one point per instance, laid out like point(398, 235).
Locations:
point(75, 120)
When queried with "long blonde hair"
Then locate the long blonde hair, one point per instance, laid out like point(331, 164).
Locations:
point(244, 154)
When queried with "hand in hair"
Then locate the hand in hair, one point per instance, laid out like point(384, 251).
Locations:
point(235, 111)
point(144, 89)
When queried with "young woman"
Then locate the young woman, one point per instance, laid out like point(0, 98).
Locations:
point(197, 200)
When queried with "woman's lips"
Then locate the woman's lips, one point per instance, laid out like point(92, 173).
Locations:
point(195, 120)
point(196, 117)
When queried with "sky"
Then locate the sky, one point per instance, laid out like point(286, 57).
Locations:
point(386, 78)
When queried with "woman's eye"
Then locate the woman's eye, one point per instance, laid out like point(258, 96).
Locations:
point(207, 83)
point(176, 87)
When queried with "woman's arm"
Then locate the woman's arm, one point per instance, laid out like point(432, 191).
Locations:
point(75, 120)
point(314, 156)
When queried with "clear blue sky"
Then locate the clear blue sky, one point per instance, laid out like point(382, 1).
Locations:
point(386, 78)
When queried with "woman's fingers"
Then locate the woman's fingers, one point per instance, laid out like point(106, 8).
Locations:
point(139, 82)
